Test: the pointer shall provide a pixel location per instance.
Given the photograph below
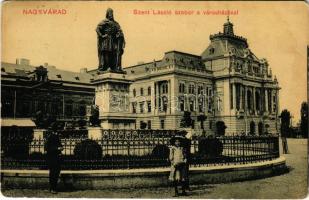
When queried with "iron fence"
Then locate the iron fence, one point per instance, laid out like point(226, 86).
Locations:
point(120, 149)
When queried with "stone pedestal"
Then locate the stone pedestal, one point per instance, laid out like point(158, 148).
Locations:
point(38, 134)
point(112, 98)
point(37, 144)
point(94, 133)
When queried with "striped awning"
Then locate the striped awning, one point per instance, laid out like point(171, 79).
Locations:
point(17, 122)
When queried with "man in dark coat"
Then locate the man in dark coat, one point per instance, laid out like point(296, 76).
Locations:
point(187, 149)
point(53, 148)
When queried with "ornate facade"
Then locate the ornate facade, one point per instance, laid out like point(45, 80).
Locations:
point(226, 89)
point(227, 85)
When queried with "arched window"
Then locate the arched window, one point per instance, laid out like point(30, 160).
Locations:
point(260, 128)
point(164, 88)
point(220, 128)
point(252, 128)
point(211, 50)
point(142, 91)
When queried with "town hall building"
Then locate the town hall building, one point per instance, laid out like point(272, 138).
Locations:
point(227, 90)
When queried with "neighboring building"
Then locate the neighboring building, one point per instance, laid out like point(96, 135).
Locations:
point(226, 86)
point(26, 90)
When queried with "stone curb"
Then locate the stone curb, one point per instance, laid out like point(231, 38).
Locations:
point(146, 177)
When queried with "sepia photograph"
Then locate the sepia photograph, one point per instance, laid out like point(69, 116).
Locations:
point(154, 99)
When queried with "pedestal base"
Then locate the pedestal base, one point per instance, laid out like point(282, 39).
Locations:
point(95, 133)
point(112, 98)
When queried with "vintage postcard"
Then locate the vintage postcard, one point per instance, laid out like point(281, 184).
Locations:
point(154, 99)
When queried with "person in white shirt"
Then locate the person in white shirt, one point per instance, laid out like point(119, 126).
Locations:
point(178, 164)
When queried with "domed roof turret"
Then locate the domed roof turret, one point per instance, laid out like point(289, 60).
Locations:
point(228, 27)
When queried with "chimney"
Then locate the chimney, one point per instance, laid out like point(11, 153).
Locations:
point(22, 61)
point(83, 70)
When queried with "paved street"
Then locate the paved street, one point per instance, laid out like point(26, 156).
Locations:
point(288, 186)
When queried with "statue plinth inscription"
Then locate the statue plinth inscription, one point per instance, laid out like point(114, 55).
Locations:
point(112, 93)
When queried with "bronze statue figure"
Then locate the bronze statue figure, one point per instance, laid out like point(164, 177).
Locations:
point(110, 43)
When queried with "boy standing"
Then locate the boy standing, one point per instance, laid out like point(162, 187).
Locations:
point(178, 164)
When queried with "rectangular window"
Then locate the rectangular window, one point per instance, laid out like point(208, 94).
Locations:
point(162, 123)
point(210, 124)
point(149, 124)
point(231, 96)
point(141, 106)
point(200, 108)
point(165, 105)
point(149, 106)
point(274, 104)
point(200, 90)
point(133, 107)
point(243, 97)
point(237, 96)
point(181, 88)
point(69, 110)
point(269, 100)
point(191, 104)
point(191, 89)
point(193, 124)
point(141, 123)
point(210, 101)
point(181, 104)
point(149, 91)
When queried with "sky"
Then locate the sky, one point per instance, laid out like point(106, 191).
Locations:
point(277, 31)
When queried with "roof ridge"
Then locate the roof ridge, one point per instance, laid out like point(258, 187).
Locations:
point(181, 52)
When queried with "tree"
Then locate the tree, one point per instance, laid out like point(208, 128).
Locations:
point(43, 120)
point(304, 119)
point(220, 128)
point(285, 123)
point(186, 120)
point(285, 129)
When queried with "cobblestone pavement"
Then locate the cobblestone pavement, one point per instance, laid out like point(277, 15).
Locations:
point(288, 186)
